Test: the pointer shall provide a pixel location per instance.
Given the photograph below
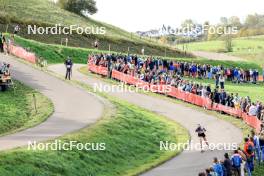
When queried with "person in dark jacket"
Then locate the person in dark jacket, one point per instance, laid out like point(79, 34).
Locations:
point(216, 96)
point(223, 97)
point(228, 165)
point(1, 43)
point(68, 64)
point(261, 144)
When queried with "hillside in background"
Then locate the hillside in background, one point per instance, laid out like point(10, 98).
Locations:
point(249, 48)
point(46, 13)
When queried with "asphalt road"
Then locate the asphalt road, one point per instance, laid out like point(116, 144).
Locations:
point(74, 107)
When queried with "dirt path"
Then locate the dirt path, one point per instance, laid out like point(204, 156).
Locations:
point(188, 163)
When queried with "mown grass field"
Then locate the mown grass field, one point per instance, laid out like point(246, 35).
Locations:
point(45, 13)
point(17, 109)
point(249, 48)
point(132, 136)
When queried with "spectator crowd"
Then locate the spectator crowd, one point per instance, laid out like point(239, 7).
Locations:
point(158, 71)
point(242, 161)
point(134, 64)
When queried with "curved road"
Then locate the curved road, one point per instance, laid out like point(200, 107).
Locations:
point(74, 107)
point(188, 163)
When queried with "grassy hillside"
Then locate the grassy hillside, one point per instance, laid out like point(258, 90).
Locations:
point(249, 48)
point(17, 109)
point(46, 13)
point(131, 137)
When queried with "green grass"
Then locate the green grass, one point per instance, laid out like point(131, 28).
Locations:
point(214, 46)
point(45, 13)
point(248, 48)
point(132, 137)
point(55, 53)
point(17, 109)
point(259, 170)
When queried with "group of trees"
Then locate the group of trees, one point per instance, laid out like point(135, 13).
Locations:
point(253, 25)
point(252, 22)
point(80, 7)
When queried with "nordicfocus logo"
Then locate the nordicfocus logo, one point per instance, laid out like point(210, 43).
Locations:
point(124, 88)
point(58, 29)
point(61, 145)
point(191, 146)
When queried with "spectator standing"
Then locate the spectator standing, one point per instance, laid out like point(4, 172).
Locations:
point(236, 160)
point(256, 145)
point(244, 159)
point(223, 97)
point(1, 43)
point(109, 65)
point(222, 81)
point(217, 77)
point(218, 169)
point(68, 64)
point(16, 29)
point(96, 44)
point(255, 75)
point(259, 109)
point(261, 144)
point(249, 151)
point(223, 167)
point(228, 165)
point(216, 96)
point(252, 110)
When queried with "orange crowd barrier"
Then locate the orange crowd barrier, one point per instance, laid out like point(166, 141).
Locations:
point(98, 69)
point(260, 78)
point(22, 53)
point(252, 121)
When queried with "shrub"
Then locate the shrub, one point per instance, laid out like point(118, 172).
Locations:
point(80, 7)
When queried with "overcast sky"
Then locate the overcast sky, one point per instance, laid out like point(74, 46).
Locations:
point(133, 15)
